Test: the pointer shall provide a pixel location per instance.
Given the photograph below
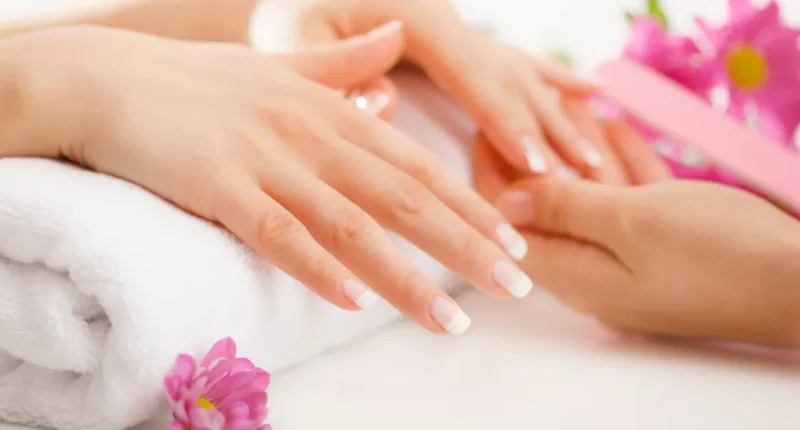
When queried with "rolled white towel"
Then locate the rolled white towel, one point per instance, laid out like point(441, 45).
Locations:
point(102, 283)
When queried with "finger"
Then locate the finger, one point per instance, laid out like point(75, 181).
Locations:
point(640, 161)
point(582, 275)
point(579, 209)
point(394, 147)
point(496, 107)
point(561, 77)
point(577, 150)
point(491, 174)
point(580, 114)
point(404, 205)
point(347, 63)
point(356, 240)
point(377, 97)
point(275, 233)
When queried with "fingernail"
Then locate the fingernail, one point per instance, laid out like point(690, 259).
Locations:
point(516, 206)
point(373, 102)
point(384, 29)
point(512, 241)
point(567, 173)
point(590, 154)
point(449, 316)
point(533, 154)
point(359, 294)
point(508, 276)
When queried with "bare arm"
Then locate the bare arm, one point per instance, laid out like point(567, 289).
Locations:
point(208, 20)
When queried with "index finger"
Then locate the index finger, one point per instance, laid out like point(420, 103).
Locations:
point(394, 147)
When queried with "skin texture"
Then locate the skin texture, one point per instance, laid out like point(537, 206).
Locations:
point(261, 145)
point(666, 257)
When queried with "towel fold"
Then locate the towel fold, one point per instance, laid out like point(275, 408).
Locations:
point(102, 283)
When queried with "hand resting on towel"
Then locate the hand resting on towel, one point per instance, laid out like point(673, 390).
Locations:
point(286, 164)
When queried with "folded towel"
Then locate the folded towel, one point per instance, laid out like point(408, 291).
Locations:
point(102, 284)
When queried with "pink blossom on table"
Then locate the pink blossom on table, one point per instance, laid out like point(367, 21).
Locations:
point(756, 58)
point(222, 392)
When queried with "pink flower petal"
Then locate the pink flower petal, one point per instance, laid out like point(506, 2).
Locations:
point(739, 9)
point(262, 379)
point(185, 367)
point(224, 348)
point(206, 419)
point(177, 425)
point(242, 365)
point(172, 385)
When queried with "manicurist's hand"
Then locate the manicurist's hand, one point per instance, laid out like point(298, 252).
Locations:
point(515, 98)
point(675, 258)
point(247, 140)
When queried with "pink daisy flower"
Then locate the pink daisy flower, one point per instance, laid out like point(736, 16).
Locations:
point(757, 59)
point(223, 392)
point(676, 57)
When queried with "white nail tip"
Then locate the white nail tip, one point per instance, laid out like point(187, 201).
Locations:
point(519, 250)
point(459, 324)
point(366, 299)
point(522, 287)
point(359, 294)
point(536, 162)
point(512, 241)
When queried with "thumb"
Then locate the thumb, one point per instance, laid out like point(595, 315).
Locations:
point(349, 62)
point(582, 210)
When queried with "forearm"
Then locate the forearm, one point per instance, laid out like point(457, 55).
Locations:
point(207, 20)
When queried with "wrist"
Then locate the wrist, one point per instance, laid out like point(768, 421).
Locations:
point(38, 117)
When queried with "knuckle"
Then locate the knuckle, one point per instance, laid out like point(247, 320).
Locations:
point(424, 169)
point(353, 228)
point(471, 247)
point(277, 228)
point(411, 199)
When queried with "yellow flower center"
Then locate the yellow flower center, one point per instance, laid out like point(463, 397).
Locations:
point(205, 403)
point(747, 68)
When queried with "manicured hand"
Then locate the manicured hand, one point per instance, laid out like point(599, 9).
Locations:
point(516, 99)
point(668, 257)
point(283, 162)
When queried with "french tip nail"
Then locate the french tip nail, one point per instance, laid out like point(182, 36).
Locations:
point(533, 155)
point(511, 241)
point(590, 154)
point(459, 324)
point(359, 294)
point(366, 299)
point(384, 29)
point(448, 315)
point(594, 159)
point(522, 287)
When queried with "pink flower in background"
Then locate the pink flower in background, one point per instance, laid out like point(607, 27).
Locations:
point(675, 57)
point(756, 58)
point(223, 392)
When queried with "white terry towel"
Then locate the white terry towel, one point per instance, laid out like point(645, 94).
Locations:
point(103, 283)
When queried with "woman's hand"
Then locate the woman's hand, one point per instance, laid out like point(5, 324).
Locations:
point(675, 258)
point(506, 91)
point(284, 163)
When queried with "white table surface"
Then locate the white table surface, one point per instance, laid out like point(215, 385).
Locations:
point(532, 364)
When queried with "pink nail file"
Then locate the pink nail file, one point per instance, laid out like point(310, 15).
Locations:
point(676, 112)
